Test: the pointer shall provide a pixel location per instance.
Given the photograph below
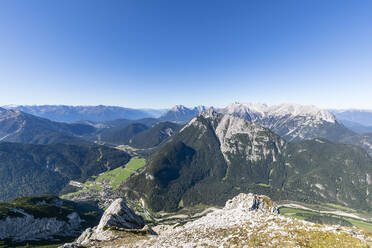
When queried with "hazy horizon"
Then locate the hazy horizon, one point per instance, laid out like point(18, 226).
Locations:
point(188, 106)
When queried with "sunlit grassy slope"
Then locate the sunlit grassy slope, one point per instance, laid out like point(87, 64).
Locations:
point(121, 174)
point(115, 177)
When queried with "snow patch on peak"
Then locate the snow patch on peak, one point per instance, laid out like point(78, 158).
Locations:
point(285, 109)
point(181, 108)
point(200, 108)
point(303, 110)
point(246, 108)
point(178, 108)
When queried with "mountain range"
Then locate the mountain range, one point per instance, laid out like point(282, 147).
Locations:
point(178, 113)
point(282, 126)
point(17, 126)
point(291, 121)
point(359, 121)
point(248, 157)
point(28, 169)
point(191, 158)
point(63, 113)
point(182, 114)
point(360, 116)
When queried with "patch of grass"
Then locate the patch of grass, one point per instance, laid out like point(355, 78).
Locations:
point(292, 211)
point(343, 208)
point(304, 238)
point(326, 239)
point(74, 193)
point(365, 226)
point(136, 163)
point(264, 185)
point(291, 235)
point(180, 204)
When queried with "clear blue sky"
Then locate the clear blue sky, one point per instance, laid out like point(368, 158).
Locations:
point(156, 53)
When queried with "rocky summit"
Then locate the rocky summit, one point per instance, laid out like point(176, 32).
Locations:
point(247, 220)
point(118, 217)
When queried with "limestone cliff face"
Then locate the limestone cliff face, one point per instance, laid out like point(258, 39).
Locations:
point(28, 227)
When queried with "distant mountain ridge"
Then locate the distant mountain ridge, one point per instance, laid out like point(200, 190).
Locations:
point(358, 120)
point(28, 169)
point(360, 116)
point(16, 126)
point(356, 127)
point(182, 114)
point(293, 122)
point(100, 113)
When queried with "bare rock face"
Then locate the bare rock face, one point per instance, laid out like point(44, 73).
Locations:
point(27, 227)
point(72, 245)
point(118, 215)
point(84, 237)
point(252, 202)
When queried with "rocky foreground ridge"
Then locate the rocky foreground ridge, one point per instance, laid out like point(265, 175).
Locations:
point(247, 220)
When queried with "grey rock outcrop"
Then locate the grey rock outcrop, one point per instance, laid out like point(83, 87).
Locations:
point(118, 216)
point(28, 227)
point(72, 245)
point(252, 202)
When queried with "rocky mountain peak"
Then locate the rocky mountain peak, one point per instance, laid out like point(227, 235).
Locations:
point(177, 108)
point(252, 202)
point(259, 142)
point(209, 113)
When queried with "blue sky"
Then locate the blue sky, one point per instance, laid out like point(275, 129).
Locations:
point(156, 53)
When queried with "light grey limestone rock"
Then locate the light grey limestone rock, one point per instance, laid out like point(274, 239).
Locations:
point(119, 215)
point(252, 202)
point(28, 227)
